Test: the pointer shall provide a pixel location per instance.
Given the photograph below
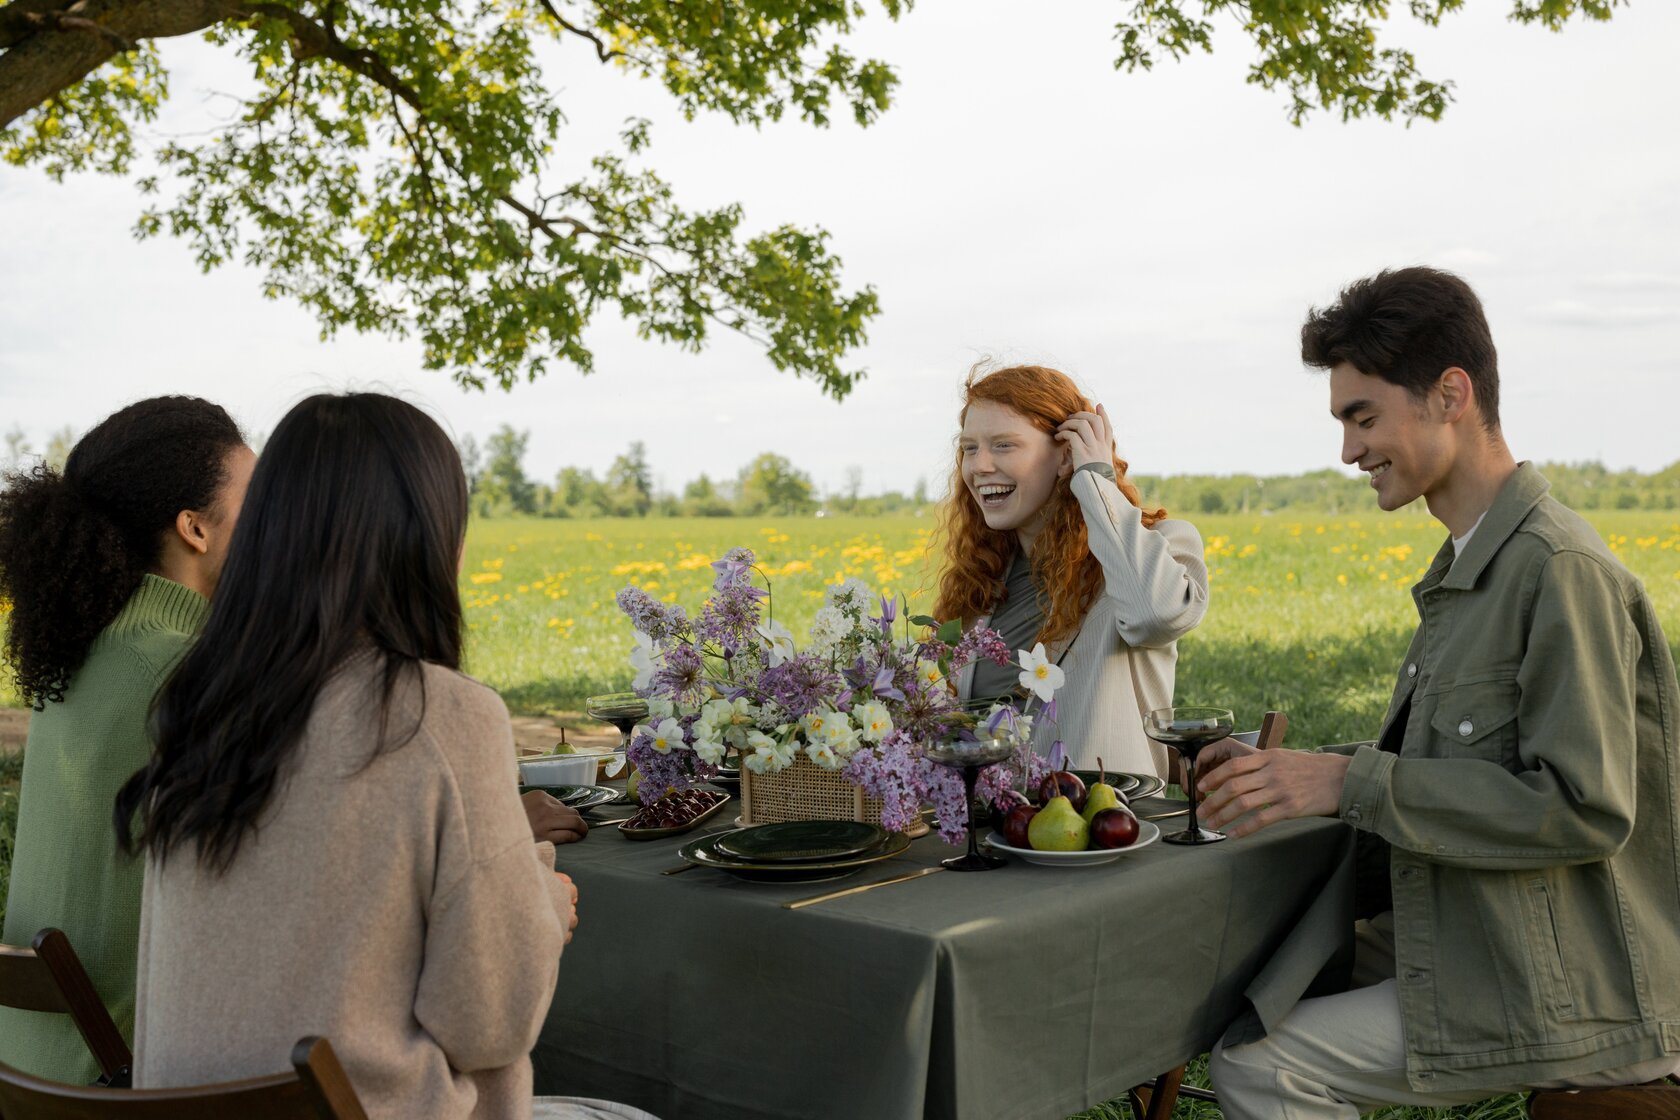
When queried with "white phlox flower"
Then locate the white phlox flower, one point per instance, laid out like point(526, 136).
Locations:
point(1038, 674)
point(779, 639)
point(873, 721)
point(828, 629)
point(852, 596)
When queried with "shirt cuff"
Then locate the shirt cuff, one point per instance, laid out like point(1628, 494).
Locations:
point(1364, 787)
point(1104, 469)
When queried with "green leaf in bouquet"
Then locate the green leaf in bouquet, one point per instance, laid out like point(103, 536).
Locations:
point(950, 632)
point(923, 620)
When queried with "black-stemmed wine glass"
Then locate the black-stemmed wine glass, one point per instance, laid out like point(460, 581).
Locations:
point(1187, 730)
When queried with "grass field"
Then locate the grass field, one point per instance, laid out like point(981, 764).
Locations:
point(1307, 616)
point(1310, 616)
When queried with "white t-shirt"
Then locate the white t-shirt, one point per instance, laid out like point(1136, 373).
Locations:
point(1460, 542)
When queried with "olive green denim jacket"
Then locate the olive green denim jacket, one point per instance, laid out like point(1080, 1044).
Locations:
point(1532, 809)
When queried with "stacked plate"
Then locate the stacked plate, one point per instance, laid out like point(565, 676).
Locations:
point(795, 851)
point(578, 797)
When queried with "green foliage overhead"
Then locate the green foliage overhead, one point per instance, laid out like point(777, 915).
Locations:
point(401, 167)
point(1324, 54)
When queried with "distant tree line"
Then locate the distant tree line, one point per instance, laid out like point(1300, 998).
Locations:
point(769, 484)
point(772, 485)
point(1581, 486)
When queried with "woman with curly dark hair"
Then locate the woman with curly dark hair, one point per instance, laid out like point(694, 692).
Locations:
point(108, 567)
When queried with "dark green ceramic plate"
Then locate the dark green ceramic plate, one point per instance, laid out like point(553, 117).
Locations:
point(802, 841)
point(704, 852)
point(1122, 783)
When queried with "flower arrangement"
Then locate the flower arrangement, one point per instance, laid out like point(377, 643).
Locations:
point(860, 697)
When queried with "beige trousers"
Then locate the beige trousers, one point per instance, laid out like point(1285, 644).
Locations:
point(1336, 1057)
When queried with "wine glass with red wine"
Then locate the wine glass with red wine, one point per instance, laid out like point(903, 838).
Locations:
point(1187, 730)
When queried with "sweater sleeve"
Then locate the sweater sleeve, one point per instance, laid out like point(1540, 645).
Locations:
point(1157, 577)
point(493, 923)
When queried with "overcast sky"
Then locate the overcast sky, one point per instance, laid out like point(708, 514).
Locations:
point(1157, 235)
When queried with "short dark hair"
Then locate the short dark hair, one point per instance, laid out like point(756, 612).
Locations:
point(1408, 326)
point(75, 544)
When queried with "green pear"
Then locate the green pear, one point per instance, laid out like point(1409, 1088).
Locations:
point(634, 784)
point(1058, 827)
point(1100, 796)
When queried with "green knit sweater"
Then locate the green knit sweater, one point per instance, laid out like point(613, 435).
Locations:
point(66, 870)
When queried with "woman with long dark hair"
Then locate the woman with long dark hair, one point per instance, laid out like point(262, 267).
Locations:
point(333, 837)
point(1047, 540)
point(108, 566)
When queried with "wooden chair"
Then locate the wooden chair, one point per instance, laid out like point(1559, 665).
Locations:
point(1154, 1100)
point(317, 1090)
point(49, 977)
point(1655, 1100)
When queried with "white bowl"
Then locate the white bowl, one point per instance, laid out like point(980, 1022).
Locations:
point(1148, 833)
point(559, 770)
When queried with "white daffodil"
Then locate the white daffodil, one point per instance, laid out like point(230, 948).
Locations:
point(667, 736)
point(780, 641)
point(1038, 674)
point(823, 755)
point(815, 724)
point(768, 755)
point(873, 721)
point(644, 659)
point(731, 718)
point(929, 674)
point(659, 708)
point(709, 749)
point(841, 737)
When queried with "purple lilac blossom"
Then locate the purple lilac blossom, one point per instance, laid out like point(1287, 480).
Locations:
point(660, 621)
point(981, 642)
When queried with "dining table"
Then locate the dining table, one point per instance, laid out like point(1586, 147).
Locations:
point(1014, 994)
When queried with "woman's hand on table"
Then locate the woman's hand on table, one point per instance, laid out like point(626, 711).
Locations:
point(1089, 438)
point(552, 821)
point(570, 888)
point(1249, 789)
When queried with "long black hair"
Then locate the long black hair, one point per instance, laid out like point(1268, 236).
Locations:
point(75, 546)
point(349, 540)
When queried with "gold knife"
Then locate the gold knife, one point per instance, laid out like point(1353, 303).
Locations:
point(916, 874)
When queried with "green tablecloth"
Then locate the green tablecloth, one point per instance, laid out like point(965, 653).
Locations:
point(1015, 994)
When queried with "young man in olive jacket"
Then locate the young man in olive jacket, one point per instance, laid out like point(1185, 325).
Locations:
point(1523, 787)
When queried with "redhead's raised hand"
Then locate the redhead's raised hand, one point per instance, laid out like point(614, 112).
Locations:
point(1089, 438)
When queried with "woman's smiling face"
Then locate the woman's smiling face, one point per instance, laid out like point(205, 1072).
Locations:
point(1009, 466)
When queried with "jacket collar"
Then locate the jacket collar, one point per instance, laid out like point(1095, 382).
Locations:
point(1520, 494)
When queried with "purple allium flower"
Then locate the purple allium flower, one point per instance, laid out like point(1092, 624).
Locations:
point(682, 674)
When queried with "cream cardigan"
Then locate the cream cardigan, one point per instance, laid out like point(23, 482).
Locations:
point(397, 906)
point(1122, 660)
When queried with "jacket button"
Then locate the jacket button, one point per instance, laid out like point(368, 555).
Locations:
point(1410, 872)
point(1413, 975)
point(1411, 670)
point(1465, 727)
point(1352, 815)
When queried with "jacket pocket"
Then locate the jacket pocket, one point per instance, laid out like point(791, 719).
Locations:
point(1547, 952)
point(1478, 720)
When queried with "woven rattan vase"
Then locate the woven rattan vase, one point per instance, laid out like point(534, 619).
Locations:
point(808, 792)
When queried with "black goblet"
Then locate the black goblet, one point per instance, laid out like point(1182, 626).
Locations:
point(970, 758)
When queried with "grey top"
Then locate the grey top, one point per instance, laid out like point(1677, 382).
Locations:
point(1018, 616)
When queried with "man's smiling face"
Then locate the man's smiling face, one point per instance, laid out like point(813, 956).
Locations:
point(1396, 438)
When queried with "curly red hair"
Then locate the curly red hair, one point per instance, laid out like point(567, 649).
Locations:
point(977, 557)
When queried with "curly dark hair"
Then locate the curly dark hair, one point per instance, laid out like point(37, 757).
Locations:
point(74, 546)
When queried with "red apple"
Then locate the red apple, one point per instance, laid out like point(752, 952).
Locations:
point(1015, 824)
point(1114, 828)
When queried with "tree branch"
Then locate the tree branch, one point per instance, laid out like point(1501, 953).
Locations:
point(602, 51)
point(46, 47)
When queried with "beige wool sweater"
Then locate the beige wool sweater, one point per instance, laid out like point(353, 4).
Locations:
point(397, 907)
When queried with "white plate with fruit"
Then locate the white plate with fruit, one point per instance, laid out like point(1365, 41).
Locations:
point(1091, 857)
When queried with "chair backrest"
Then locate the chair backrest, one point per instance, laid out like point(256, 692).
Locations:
point(49, 977)
point(316, 1090)
point(1269, 733)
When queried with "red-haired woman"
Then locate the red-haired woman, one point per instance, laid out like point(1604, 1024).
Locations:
point(1047, 541)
